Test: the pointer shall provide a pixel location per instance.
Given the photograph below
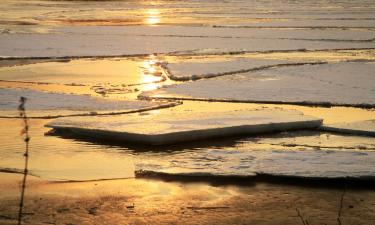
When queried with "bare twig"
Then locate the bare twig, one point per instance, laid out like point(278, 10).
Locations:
point(25, 133)
point(340, 207)
point(304, 222)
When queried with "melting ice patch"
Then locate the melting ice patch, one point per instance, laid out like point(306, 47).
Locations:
point(42, 104)
point(344, 83)
point(309, 164)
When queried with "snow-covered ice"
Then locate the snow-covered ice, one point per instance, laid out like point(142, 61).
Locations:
point(165, 128)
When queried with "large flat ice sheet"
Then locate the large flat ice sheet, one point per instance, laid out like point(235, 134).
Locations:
point(160, 128)
point(344, 83)
point(43, 104)
point(107, 43)
point(366, 127)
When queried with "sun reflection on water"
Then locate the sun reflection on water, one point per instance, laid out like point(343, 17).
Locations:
point(152, 16)
point(151, 73)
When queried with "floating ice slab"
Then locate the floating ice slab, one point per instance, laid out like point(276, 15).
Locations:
point(366, 127)
point(42, 104)
point(158, 129)
point(344, 83)
point(236, 163)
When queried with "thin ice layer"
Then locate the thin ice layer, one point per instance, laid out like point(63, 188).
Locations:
point(307, 164)
point(366, 127)
point(164, 128)
point(42, 104)
point(344, 83)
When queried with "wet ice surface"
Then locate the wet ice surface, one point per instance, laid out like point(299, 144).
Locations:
point(366, 127)
point(43, 104)
point(166, 128)
point(343, 83)
point(309, 163)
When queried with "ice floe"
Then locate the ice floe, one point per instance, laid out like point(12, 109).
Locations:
point(343, 83)
point(165, 128)
point(196, 70)
point(235, 163)
point(43, 104)
point(366, 127)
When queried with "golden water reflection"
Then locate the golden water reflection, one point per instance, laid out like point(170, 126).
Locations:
point(119, 77)
point(152, 16)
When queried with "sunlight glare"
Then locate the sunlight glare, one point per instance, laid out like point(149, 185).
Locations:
point(153, 16)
